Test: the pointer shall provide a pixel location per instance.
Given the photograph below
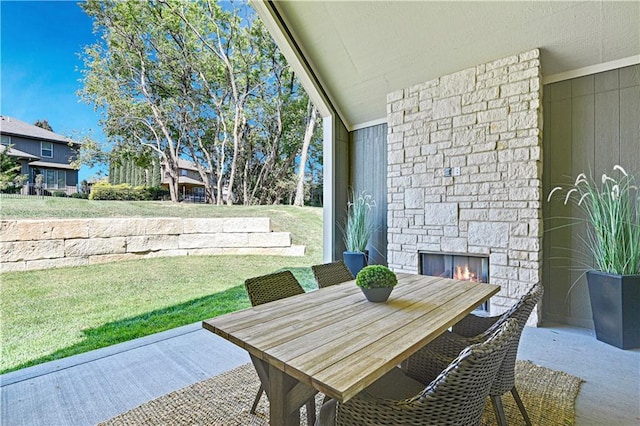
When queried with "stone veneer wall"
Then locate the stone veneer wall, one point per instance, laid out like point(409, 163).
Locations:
point(486, 120)
point(42, 244)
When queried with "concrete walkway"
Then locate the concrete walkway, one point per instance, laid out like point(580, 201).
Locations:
point(92, 387)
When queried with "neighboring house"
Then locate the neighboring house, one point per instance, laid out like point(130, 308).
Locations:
point(41, 152)
point(190, 185)
point(459, 117)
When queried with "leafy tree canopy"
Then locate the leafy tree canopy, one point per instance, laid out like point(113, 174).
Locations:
point(193, 80)
point(10, 177)
point(43, 124)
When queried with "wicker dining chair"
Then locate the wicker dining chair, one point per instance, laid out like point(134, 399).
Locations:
point(473, 329)
point(269, 288)
point(328, 274)
point(455, 397)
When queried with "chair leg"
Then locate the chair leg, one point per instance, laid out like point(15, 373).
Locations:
point(311, 412)
point(257, 400)
point(514, 392)
point(496, 401)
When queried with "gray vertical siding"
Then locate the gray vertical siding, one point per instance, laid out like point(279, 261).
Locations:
point(62, 153)
point(368, 172)
point(341, 184)
point(590, 125)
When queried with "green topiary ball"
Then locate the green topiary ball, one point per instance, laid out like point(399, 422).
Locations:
point(376, 276)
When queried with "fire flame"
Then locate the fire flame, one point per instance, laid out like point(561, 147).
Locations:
point(464, 274)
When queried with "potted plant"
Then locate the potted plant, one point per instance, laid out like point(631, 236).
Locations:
point(612, 212)
point(358, 230)
point(376, 282)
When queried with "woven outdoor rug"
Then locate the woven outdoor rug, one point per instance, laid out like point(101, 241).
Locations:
point(548, 395)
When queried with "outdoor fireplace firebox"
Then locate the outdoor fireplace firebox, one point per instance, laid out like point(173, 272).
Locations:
point(459, 267)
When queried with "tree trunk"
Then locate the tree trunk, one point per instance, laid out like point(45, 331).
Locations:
point(169, 167)
point(238, 130)
point(308, 134)
point(245, 183)
point(173, 187)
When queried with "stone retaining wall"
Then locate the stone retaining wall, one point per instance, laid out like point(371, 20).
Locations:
point(41, 244)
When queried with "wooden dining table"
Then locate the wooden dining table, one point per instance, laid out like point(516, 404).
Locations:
point(335, 341)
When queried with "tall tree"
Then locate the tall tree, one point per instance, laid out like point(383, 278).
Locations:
point(112, 172)
point(129, 77)
point(229, 71)
point(156, 177)
point(193, 79)
point(308, 135)
point(10, 177)
point(274, 141)
point(43, 124)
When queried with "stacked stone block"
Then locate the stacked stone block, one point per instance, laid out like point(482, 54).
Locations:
point(42, 244)
point(486, 120)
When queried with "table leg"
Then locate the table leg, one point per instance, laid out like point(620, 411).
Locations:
point(286, 395)
point(280, 386)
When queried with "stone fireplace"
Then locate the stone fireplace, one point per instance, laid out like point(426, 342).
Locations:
point(457, 266)
point(464, 172)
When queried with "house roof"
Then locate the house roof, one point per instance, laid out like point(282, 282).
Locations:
point(53, 165)
point(15, 127)
point(185, 180)
point(186, 164)
point(356, 52)
point(189, 180)
point(12, 152)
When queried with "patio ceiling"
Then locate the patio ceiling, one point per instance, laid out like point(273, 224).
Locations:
point(361, 50)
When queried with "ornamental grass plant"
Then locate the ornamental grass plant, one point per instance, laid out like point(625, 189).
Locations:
point(359, 225)
point(612, 213)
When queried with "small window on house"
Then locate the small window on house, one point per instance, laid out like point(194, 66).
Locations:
point(50, 178)
point(6, 140)
point(62, 179)
point(183, 172)
point(46, 149)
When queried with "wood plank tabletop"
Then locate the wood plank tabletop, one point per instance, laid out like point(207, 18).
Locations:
point(336, 341)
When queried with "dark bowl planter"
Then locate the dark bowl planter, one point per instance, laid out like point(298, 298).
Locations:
point(615, 305)
point(377, 295)
point(355, 260)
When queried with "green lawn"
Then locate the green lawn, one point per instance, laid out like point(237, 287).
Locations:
point(51, 314)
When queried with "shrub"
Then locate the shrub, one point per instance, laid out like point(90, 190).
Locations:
point(376, 276)
point(155, 193)
point(105, 191)
point(125, 192)
point(82, 195)
point(59, 194)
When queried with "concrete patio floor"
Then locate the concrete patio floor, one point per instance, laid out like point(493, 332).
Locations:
point(92, 387)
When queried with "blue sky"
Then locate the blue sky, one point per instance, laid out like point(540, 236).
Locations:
point(39, 66)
